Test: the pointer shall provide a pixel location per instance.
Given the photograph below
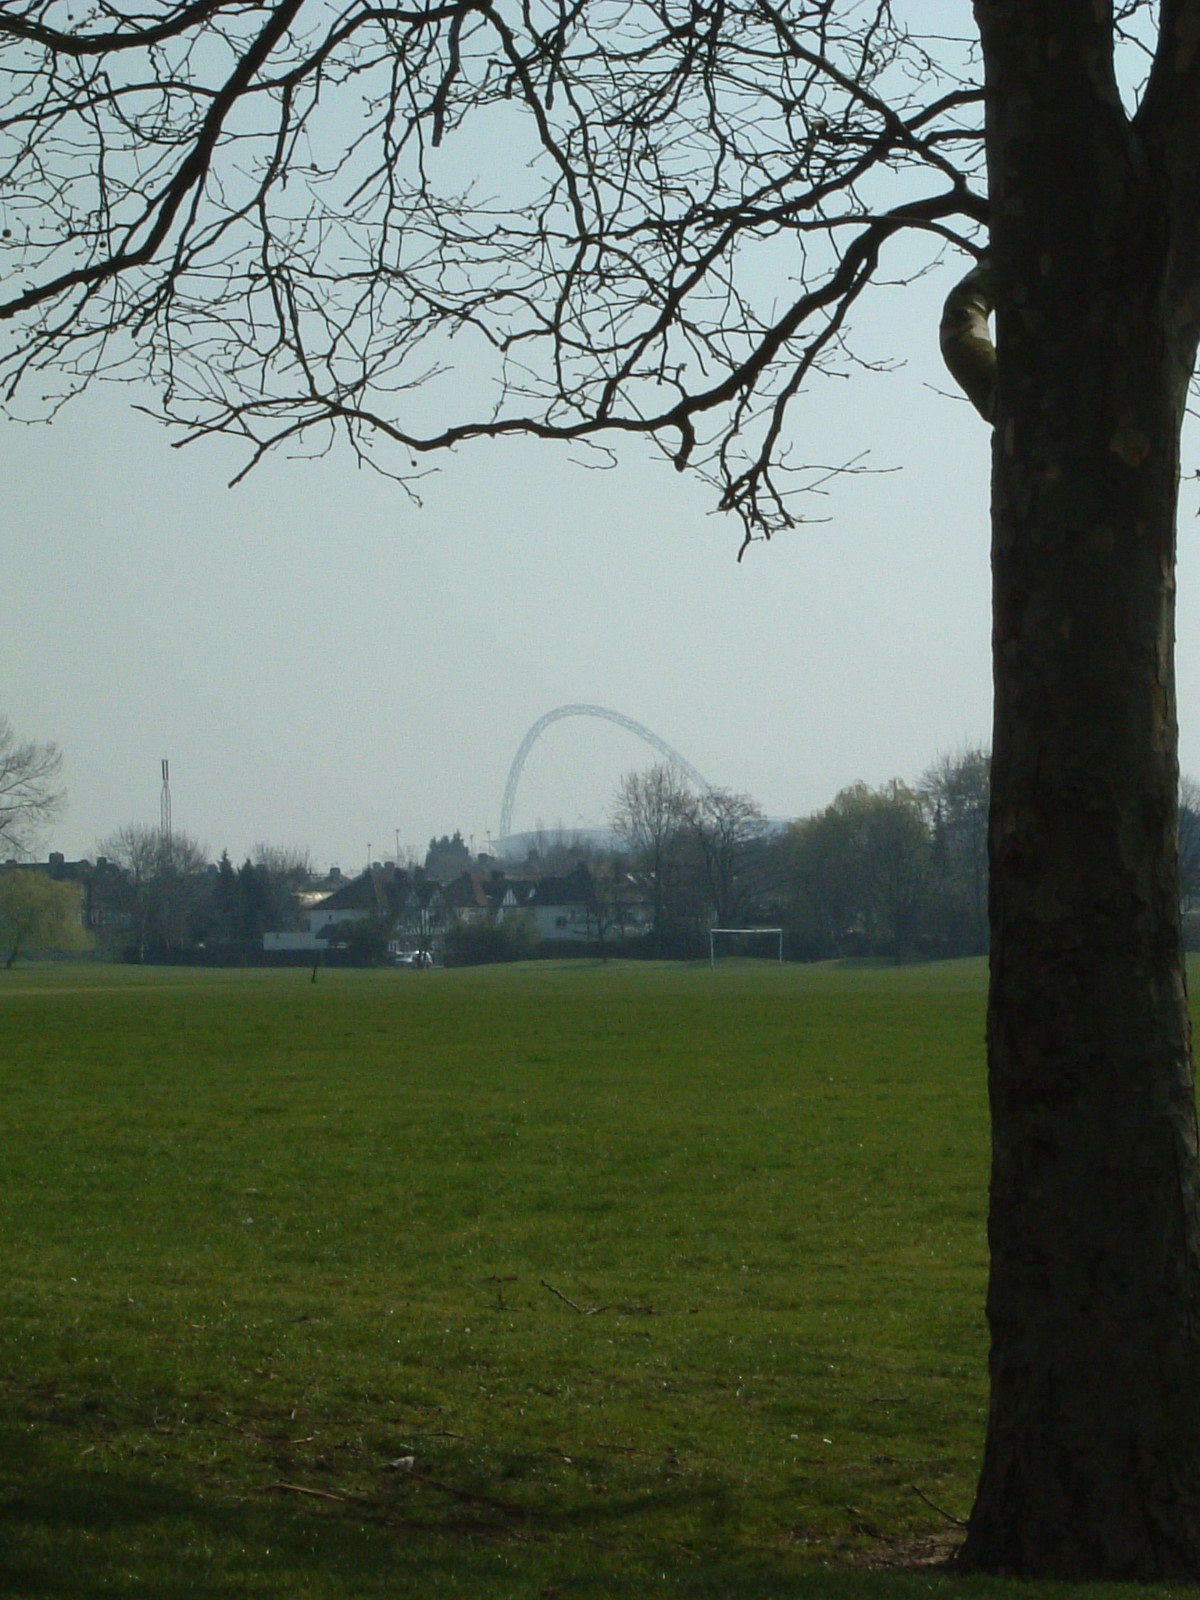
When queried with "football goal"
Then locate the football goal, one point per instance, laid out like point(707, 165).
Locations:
point(746, 941)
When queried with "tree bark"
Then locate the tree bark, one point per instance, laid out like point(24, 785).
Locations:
point(1092, 1461)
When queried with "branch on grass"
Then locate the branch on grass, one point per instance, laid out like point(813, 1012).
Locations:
point(584, 1311)
point(941, 1511)
point(624, 1307)
point(316, 1494)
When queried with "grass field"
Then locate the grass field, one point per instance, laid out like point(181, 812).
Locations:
point(565, 1280)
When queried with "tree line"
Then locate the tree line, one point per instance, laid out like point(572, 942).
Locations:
point(900, 871)
point(164, 895)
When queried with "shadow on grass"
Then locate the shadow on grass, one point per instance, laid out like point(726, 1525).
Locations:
point(114, 1530)
point(110, 1528)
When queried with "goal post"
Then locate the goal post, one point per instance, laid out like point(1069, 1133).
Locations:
point(714, 932)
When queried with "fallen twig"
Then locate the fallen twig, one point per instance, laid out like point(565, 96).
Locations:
point(584, 1311)
point(501, 1303)
point(941, 1510)
point(565, 1298)
point(317, 1494)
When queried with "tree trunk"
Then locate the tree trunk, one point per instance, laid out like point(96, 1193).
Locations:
point(1092, 1462)
point(1093, 1456)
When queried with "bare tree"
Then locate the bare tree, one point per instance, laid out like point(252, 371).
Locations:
point(30, 796)
point(165, 882)
point(186, 175)
point(266, 207)
point(285, 861)
point(723, 829)
point(647, 815)
point(607, 901)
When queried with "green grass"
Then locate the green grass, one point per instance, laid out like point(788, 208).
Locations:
point(668, 1280)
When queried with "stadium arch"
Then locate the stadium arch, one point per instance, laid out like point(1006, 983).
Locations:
point(683, 767)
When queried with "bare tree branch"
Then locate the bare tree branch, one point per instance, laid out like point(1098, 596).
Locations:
point(30, 795)
point(296, 220)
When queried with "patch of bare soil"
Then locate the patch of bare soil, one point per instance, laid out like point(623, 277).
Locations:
point(927, 1552)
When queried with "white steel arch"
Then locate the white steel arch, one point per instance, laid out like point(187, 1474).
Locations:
point(684, 768)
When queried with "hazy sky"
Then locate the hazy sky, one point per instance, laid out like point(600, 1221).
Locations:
point(326, 665)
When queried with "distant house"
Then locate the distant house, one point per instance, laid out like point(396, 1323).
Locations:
point(420, 920)
point(560, 906)
point(404, 904)
point(104, 900)
point(466, 897)
point(478, 896)
point(413, 911)
point(578, 908)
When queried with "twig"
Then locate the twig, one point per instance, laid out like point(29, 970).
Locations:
point(317, 1494)
point(501, 1303)
point(941, 1511)
point(568, 1301)
point(625, 1308)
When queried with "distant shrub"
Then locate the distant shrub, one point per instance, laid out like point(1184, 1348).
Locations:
point(476, 944)
point(364, 942)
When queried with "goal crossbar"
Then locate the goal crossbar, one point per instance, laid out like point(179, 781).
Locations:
point(712, 935)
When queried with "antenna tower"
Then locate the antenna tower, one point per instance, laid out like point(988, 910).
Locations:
point(164, 804)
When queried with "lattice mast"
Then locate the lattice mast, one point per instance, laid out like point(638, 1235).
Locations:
point(164, 804)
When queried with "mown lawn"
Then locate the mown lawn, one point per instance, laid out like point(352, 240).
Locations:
point(565, 1280)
